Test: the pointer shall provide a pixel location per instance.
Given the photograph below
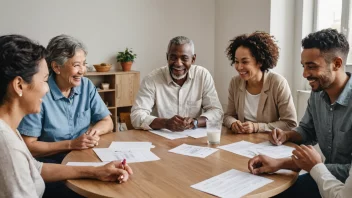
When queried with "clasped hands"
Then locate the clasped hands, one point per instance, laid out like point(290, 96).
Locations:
point(87, 140)
point(179, 123)
point(244, 127)
point(113, 171)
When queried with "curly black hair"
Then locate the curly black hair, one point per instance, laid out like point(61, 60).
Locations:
point(329, 42)
point(19, 56)
point(261, 45)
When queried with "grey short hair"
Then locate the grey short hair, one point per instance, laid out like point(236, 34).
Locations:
point(61, 48)
point(180, 40)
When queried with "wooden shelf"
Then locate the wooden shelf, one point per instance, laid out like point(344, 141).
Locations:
point(122, 93)
point(105, 90)
point(110, 73)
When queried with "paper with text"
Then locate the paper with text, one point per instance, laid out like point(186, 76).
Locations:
point(232, 183)
point(108, 155)
point(86, 163)
point(282, 151)
point(168, 134)
point(250, 150)
point(195, 133)
point(194, 151)
point(123, 146)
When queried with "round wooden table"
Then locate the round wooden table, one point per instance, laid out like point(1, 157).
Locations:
point(173, 174)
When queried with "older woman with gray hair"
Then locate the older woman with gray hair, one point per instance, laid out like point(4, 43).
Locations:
point(73, 115)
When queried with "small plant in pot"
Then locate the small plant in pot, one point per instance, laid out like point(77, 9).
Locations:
point(126, 58)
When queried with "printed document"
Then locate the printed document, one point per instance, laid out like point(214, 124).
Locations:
point(232, 183)
point(195, 133)
point(250, 150)
point(194, 151)
point(131, 156)
point(122, 146)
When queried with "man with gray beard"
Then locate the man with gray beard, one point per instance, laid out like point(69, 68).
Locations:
point(178, 96)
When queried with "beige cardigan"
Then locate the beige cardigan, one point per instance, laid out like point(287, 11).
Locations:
point(275, 108)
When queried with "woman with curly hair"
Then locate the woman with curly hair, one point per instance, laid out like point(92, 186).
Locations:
point(259, 100)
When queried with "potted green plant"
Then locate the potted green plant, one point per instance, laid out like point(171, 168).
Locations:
point(126, 58)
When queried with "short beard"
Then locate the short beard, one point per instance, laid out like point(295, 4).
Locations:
point(324, 81)
point(178, 77)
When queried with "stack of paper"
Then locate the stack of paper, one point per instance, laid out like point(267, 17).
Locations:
point(232, 183)
point(195, 133)
point(250, 150)
point(194, 151)
point(131, 151)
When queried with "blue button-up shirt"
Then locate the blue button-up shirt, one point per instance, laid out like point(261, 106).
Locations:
point(64, 118)
point(330, 125)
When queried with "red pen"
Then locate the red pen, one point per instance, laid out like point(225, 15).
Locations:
point(123, 167)
point(123, 163)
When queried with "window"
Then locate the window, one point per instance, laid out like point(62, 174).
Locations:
point(334, 14)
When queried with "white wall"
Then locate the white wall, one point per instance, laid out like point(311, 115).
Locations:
point(304, 16)
point(147, 26)
point(282, 26)
point(109, 26)
point(235, 17)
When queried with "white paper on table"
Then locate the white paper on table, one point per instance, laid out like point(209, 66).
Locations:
point(86, 163)
point(236, 146)
point(250, 150)
point(169, 134)
point(196, 133)
point(123, 146)
point(108, 155)
point(282, 151)
point(240, 148)
point(232, 183)
point(194, 151)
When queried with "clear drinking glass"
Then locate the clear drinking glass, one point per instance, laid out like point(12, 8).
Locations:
point(214, 131)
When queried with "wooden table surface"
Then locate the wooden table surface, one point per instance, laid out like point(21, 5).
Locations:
point(173, 174)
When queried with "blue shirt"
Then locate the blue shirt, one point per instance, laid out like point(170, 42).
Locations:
point(330, 125)
point(64, 118)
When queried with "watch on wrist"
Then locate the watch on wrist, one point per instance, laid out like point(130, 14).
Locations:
point(195, 123)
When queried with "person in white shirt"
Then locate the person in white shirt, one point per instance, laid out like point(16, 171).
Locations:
point(178, 96)
point(23, 84)
point(308, 159)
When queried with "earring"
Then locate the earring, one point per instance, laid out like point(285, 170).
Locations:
point(58, 72)
point(20, 94)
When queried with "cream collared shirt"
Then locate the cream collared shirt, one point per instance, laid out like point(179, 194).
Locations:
point(328, 185)
point(159, 96)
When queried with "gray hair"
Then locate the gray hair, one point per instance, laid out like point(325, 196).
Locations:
point(61, 48)
point(180, 40)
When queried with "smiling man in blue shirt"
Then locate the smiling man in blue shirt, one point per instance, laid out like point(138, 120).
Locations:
point(73, 115)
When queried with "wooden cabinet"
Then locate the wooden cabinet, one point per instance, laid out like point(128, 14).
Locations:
point(127, 86)
point(123, 88)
